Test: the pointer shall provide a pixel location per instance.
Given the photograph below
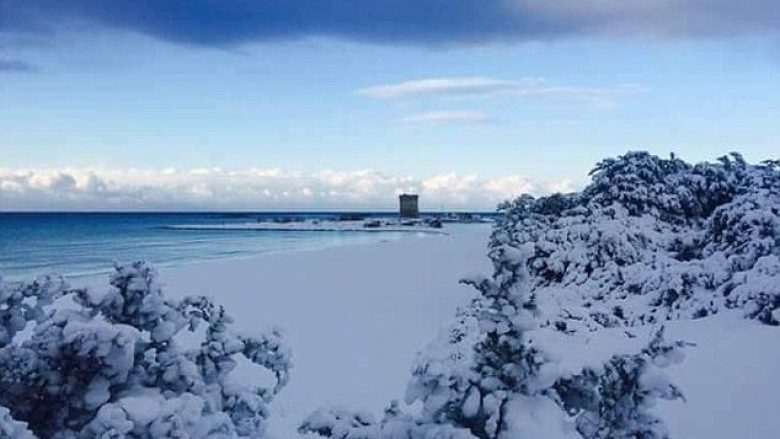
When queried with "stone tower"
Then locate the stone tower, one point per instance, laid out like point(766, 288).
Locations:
point(408, 206)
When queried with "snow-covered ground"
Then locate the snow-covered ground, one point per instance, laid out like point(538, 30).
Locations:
point(728, 378)
point(355, 316)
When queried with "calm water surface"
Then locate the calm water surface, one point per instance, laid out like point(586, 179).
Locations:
point(80, 244)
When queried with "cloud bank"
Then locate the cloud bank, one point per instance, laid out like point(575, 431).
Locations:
point(231, 22)
point(214, 188)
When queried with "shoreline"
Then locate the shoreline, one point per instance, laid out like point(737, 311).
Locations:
point(298, 240)
point(311, 228)
point(99, 278)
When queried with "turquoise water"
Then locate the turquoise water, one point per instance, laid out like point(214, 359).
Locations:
point(81, 244)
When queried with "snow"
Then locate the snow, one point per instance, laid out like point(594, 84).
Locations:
point(728, 376)
point(142, 410)
point(97, 392)
point(355, 325)
point(471, 405)
point(729, 379)
point(115, 369)
point(537, 418)
point(354, 316)
point(582, 330)
point(12, 429)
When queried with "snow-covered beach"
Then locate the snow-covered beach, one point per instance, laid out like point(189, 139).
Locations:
point(355, 316)
point(571, 317)
point(357, 219)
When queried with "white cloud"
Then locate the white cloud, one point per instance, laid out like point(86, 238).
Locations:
point(500, 187)
point(563, 186)
point(171, 189)
point(480, 86)
point(438, 86)
point(439, 117)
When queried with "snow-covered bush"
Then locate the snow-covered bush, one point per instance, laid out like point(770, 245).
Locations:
point(648, 240)
point(486, 378)
point(614, 402)
point(117, 364)
point(11, 428)
point(652, 239)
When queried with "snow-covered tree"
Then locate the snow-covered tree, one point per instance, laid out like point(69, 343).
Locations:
point(114, 365)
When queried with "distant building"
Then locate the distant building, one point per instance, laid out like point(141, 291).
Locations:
point(408, 206)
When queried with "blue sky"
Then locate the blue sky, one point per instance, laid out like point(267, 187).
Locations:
point(110, 112)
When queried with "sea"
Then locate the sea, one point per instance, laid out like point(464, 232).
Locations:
point(88, 244)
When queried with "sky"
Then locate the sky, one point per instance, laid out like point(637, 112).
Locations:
point(343, 104)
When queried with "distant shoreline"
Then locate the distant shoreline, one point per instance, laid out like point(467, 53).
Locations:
point(246, 212)
point(82, 245)
point(265, 228)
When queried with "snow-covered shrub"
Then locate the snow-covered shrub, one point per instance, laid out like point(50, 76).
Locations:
point(487, 378)
point(652, 239)
point(11, 428)
point(649, 240)
point(344, 424)
point(643, 184)
point(24, 304)
point(114, 365)
point(614, 402)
